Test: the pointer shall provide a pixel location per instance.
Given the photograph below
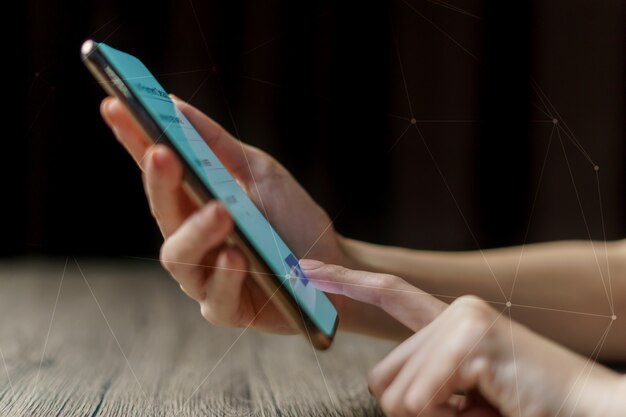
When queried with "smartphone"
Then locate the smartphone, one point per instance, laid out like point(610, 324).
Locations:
point(272, 264)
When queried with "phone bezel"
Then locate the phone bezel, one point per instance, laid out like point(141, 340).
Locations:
point(97, 64)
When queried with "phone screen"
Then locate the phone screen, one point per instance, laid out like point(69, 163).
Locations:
point(221, 185)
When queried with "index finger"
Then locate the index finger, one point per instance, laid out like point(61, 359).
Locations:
point(409, 305)
point(125, 128)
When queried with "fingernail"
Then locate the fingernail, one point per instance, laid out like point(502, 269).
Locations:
point(308, 264)
point(176, 100)
point(219, 210)
point(109, 105)
point(230, 256)
point(104, 110)
point(210, 210)
point(158, 156)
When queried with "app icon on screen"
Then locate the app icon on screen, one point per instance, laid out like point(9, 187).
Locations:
point(295, 272)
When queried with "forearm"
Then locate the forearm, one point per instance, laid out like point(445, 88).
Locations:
point(559, 289)
point(619, 404)
point(568, 383)
point(603, 397)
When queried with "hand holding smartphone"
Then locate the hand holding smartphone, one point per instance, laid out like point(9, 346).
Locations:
point(273, 265)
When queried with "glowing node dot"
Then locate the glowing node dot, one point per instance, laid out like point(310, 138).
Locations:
point(214, 69)
point(596, 168)
point(614, 317)
point(508, 304)
point(413, 121)
point(555, 121)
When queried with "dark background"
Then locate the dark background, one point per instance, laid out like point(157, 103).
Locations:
point(329, 88)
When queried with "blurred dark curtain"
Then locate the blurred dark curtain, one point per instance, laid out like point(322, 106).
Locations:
point(423, 123)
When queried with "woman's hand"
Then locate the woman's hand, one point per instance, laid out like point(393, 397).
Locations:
point(194, 251)
point(473, 348)
point(468, 346)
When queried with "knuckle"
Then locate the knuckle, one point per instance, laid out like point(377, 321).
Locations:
point(340, 271)
point(210, 219)
point(468, 300)
point(390, 405)
point(387, 281)
point(471, 305)
point(266, 164)
point(413, 405)
point(154, 212)
point(167, 256)
point(474, 315)
point(386, 284)
point(374, 380)
point(220, 132)
point(209, 313)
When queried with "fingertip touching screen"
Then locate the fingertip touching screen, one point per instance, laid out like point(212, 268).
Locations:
point(221, 185)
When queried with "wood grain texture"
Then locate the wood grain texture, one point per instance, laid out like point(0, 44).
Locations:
point(124, 341)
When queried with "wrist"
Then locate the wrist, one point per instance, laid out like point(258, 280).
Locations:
point(603, 394)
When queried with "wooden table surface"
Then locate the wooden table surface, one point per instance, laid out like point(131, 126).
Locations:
point(118, 338)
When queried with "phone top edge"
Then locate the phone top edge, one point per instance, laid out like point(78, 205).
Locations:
point(87, 48)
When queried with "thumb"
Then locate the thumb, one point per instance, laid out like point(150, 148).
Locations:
point(409, 305)
point(230, 151)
